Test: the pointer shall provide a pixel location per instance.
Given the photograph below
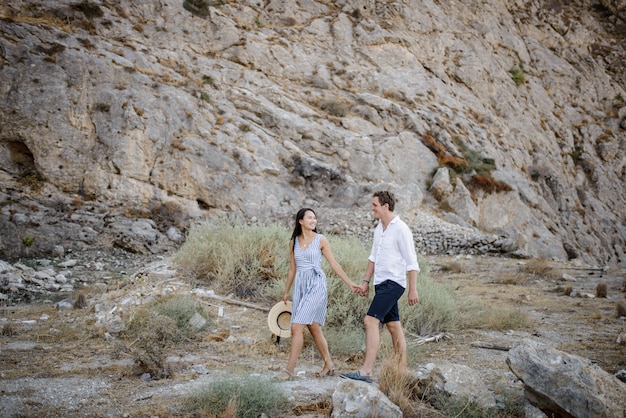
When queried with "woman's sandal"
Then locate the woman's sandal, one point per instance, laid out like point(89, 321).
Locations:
point(326, 371)
point(286, 375)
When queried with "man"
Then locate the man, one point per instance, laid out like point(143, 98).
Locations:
point(391, 259)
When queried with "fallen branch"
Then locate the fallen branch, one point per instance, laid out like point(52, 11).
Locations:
point(232, 301)
point(491, 346)
point(430, 339)
point(584, 268)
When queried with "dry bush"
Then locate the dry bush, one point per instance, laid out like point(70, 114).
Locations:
point(287, 21)
point(236, 259)
point(32, 180)
point(394, 94)
point(89, 9)
point(503, 318)
point(154, 329)
point(438, 310)
point(397, 385)
point(538, 267)
point(487, 184)
point(512, 278)
point(321, 408)
point(432, 144)
point(168, 214)
point(152, 342)
point(9, 329)
point(601, 290)
point(567, 290)
point(335, 107)
point(454, 267)
point(620, 308)
point(80, 302)
point(455, 163)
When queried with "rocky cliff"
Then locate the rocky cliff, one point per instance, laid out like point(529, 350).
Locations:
point(121, 122)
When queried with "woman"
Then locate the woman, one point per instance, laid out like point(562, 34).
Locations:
point(310, 296)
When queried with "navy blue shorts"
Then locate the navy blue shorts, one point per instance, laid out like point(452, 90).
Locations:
point(384, 306)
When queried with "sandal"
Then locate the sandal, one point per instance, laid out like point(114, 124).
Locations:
point(286, 375)
point(326, 371)
point(357, 376)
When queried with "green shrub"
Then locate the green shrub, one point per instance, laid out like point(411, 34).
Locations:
point(89, 9)
point(337, 107)
point(517, 74)
point(204, 96)
point(242, 260)
point(200, 7)
point(437, 311)
point(156, 327)
point(180, 309)
point(33, 180)
point(241, 396)
point(28, 241)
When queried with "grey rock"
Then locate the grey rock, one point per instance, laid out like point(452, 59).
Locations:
point(360, 400)
point(564, 384)
point(453, 380)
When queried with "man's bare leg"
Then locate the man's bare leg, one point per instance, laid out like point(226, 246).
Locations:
point(372, 341)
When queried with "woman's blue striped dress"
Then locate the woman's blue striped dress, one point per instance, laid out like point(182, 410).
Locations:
point(310, 294)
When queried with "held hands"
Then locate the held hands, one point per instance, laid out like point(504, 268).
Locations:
point(363, 289)
point(353, 287)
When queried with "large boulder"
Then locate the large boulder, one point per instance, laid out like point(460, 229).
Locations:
point(453, 380)
point(359, 400)
point(566, 385)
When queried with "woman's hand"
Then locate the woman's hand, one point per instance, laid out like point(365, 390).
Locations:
point(364, 289)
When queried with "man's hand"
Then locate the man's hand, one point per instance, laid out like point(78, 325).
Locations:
point(364, 289)
point(413, 297)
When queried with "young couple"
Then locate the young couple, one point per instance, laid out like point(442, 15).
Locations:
point(392, 257)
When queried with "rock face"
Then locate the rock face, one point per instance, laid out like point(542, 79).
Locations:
point(565, 385)
point(249, 110)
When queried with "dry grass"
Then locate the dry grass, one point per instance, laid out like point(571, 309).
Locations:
point(568, 289)
point(453, 267)
point(241, 396)
point(397, 385)
point(502, 317)
point(537, 266)
point(513, 278)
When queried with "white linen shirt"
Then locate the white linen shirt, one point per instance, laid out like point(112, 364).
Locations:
point(393, 252)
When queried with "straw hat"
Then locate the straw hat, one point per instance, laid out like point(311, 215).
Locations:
point(279, 319)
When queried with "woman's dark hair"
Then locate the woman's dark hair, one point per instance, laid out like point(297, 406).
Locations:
point(385, 196)
point(297, 230)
